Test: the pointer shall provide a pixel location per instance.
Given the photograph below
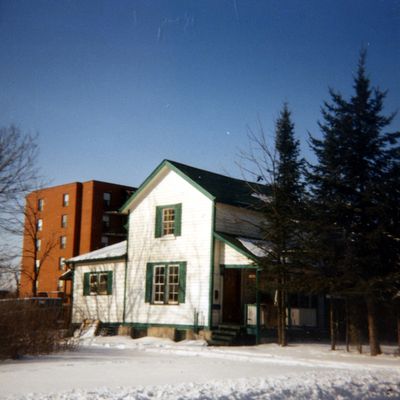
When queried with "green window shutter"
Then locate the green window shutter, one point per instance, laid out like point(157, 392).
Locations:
point(178, 219)
point(149, 283)
point(109, 282)
point(182, 282)
point(158, 227)
point(86, 285)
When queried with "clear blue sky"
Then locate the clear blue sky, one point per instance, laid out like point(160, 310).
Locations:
point(114, 87)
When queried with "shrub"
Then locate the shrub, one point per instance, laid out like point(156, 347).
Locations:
point(30, 326)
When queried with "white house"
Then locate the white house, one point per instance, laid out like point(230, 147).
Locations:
point(191, 242)
point(190, 260)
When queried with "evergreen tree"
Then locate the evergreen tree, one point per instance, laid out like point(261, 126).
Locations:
point(281, 212)
point(350, 181)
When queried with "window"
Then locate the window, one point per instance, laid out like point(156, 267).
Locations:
point(168, 220)
point(65, 201)
point(159, 284)
point(60, 286)
point(106, 221)
point(63, 242)
point(165, 283)
point(38, 244)
point(39, 224)
point(104, 241)
point(173, 284)
point(106, 199)
point(40, 204)
point(97, 283)
point(61, 263)
point(64, 221)
point(303, 301)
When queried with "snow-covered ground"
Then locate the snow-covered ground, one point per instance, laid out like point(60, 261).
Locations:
point(149, 368)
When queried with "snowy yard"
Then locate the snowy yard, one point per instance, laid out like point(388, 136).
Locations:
point(149, 368)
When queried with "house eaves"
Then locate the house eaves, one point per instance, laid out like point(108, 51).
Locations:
point(250, 248)
point(165, 164)
point(114, 252)
point(217, 187)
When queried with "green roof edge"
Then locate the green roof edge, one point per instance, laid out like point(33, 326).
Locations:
point(154, 173)
point(93, 260)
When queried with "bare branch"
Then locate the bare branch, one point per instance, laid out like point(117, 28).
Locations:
point(18, 177)
point(35, 255)
point(18, 173)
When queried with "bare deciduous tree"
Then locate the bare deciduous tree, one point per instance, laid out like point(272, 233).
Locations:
point(36, 249)
point(18, 176)
point(18, 173)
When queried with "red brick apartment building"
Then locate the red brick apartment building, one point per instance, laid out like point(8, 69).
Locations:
point(64, 221)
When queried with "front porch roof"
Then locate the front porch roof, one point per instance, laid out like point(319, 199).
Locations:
point(255, 249)
point(66, 276)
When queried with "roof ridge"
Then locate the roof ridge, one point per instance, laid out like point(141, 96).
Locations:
point(177, 164)
point(217, 187)
point(224, 189)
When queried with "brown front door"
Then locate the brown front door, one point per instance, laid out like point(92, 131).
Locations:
point(231, 306)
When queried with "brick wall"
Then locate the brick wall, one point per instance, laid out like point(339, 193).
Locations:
point(83, 231)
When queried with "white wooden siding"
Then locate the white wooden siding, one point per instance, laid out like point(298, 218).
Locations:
point(224, 255)
point(238, 221)
point(106, 308)
point(228, 255)
point(217, 285)
point(193, 246)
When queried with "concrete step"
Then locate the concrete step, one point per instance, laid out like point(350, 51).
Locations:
point(225, 335)
point(217, 342)
point(226, 338)
point(225, 332)
point(229, 327)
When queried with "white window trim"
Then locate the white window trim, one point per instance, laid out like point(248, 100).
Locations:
point(97, 292)
point(166, 284)
point(168, 225)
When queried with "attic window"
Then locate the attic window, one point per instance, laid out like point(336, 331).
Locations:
point(168, 220)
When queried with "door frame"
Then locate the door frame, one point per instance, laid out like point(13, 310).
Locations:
point(240, 267)
point(235, 289)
